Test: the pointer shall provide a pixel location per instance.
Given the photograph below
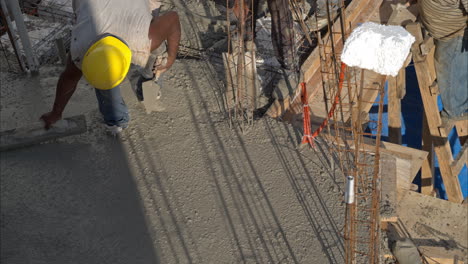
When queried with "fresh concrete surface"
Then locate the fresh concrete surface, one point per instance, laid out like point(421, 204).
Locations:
point(178, 186)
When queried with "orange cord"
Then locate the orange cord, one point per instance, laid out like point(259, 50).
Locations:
point(310, 138)
point(307, 138)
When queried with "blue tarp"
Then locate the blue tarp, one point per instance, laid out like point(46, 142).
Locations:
point(412, 117)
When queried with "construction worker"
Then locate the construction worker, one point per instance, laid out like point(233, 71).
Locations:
point(107, 37)
point(446, 21)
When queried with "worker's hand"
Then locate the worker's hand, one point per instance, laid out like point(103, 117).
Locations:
point(411, 2)
point(161, 65)
point(50, 119)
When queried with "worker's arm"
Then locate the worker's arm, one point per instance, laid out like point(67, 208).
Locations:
point(66, 86)
point(166, 27)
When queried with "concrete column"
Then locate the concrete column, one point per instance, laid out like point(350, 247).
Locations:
point(23, 34)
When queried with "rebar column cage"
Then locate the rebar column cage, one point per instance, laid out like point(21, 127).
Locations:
point(240, 64)
point(244, 45)
point(343, 92)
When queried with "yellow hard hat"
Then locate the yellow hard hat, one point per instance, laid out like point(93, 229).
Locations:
point(106, 63)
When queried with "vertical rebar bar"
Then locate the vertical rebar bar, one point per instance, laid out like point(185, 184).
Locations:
point(23, 34)
point(7, 18)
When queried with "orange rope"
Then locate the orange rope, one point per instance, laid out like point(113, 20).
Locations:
point(307, 138)
point(310, 138)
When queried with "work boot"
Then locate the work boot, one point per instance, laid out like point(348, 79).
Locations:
point(113, 130)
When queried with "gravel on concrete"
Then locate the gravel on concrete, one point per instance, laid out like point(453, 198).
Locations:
point(178, 186)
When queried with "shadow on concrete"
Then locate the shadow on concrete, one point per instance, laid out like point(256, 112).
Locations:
point(254, 230)
point(72, 203)
point(316, 207)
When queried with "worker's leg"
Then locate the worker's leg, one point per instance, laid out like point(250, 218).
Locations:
point(250, 15)
point(282, 33)
point(250, 25)
point(282, 37)
point(112, 107)
point(451, 66)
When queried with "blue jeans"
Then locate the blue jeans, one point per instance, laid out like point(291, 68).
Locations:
point(112, 107)
point(451, 61)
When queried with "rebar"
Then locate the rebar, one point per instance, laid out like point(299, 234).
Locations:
point(361, 228)
point(51, 16)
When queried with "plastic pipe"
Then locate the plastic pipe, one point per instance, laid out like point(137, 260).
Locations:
point(349, 193)
point(23, 34)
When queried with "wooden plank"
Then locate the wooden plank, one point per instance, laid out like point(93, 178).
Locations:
point(373, 81)
point(427, 45)
point(405, 173)
point(388, 201)
point(368, 97)
point(432, 71)
point(462, 131)
point(416, 160)
point(460, 160)
point(35, 133)
point(408, 160)
point(311, 67)
point(439, 137)
point(434, 259)
point(462, 128)
point(437, 227)
point(401, 82)
point(396, 12)
point(394, 111)
point(427, 168)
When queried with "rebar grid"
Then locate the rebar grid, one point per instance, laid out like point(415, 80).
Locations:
point(52, 10)
point(250, 36)
point(344, 90)
point(46, 21)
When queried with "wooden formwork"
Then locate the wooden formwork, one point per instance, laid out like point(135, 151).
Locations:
point(437, 227)
point(358, 11)
point(400, 165)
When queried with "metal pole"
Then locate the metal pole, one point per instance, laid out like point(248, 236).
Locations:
point(6, 17)
point(23, 34)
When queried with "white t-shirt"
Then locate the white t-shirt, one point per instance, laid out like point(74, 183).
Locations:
point(128, 20)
